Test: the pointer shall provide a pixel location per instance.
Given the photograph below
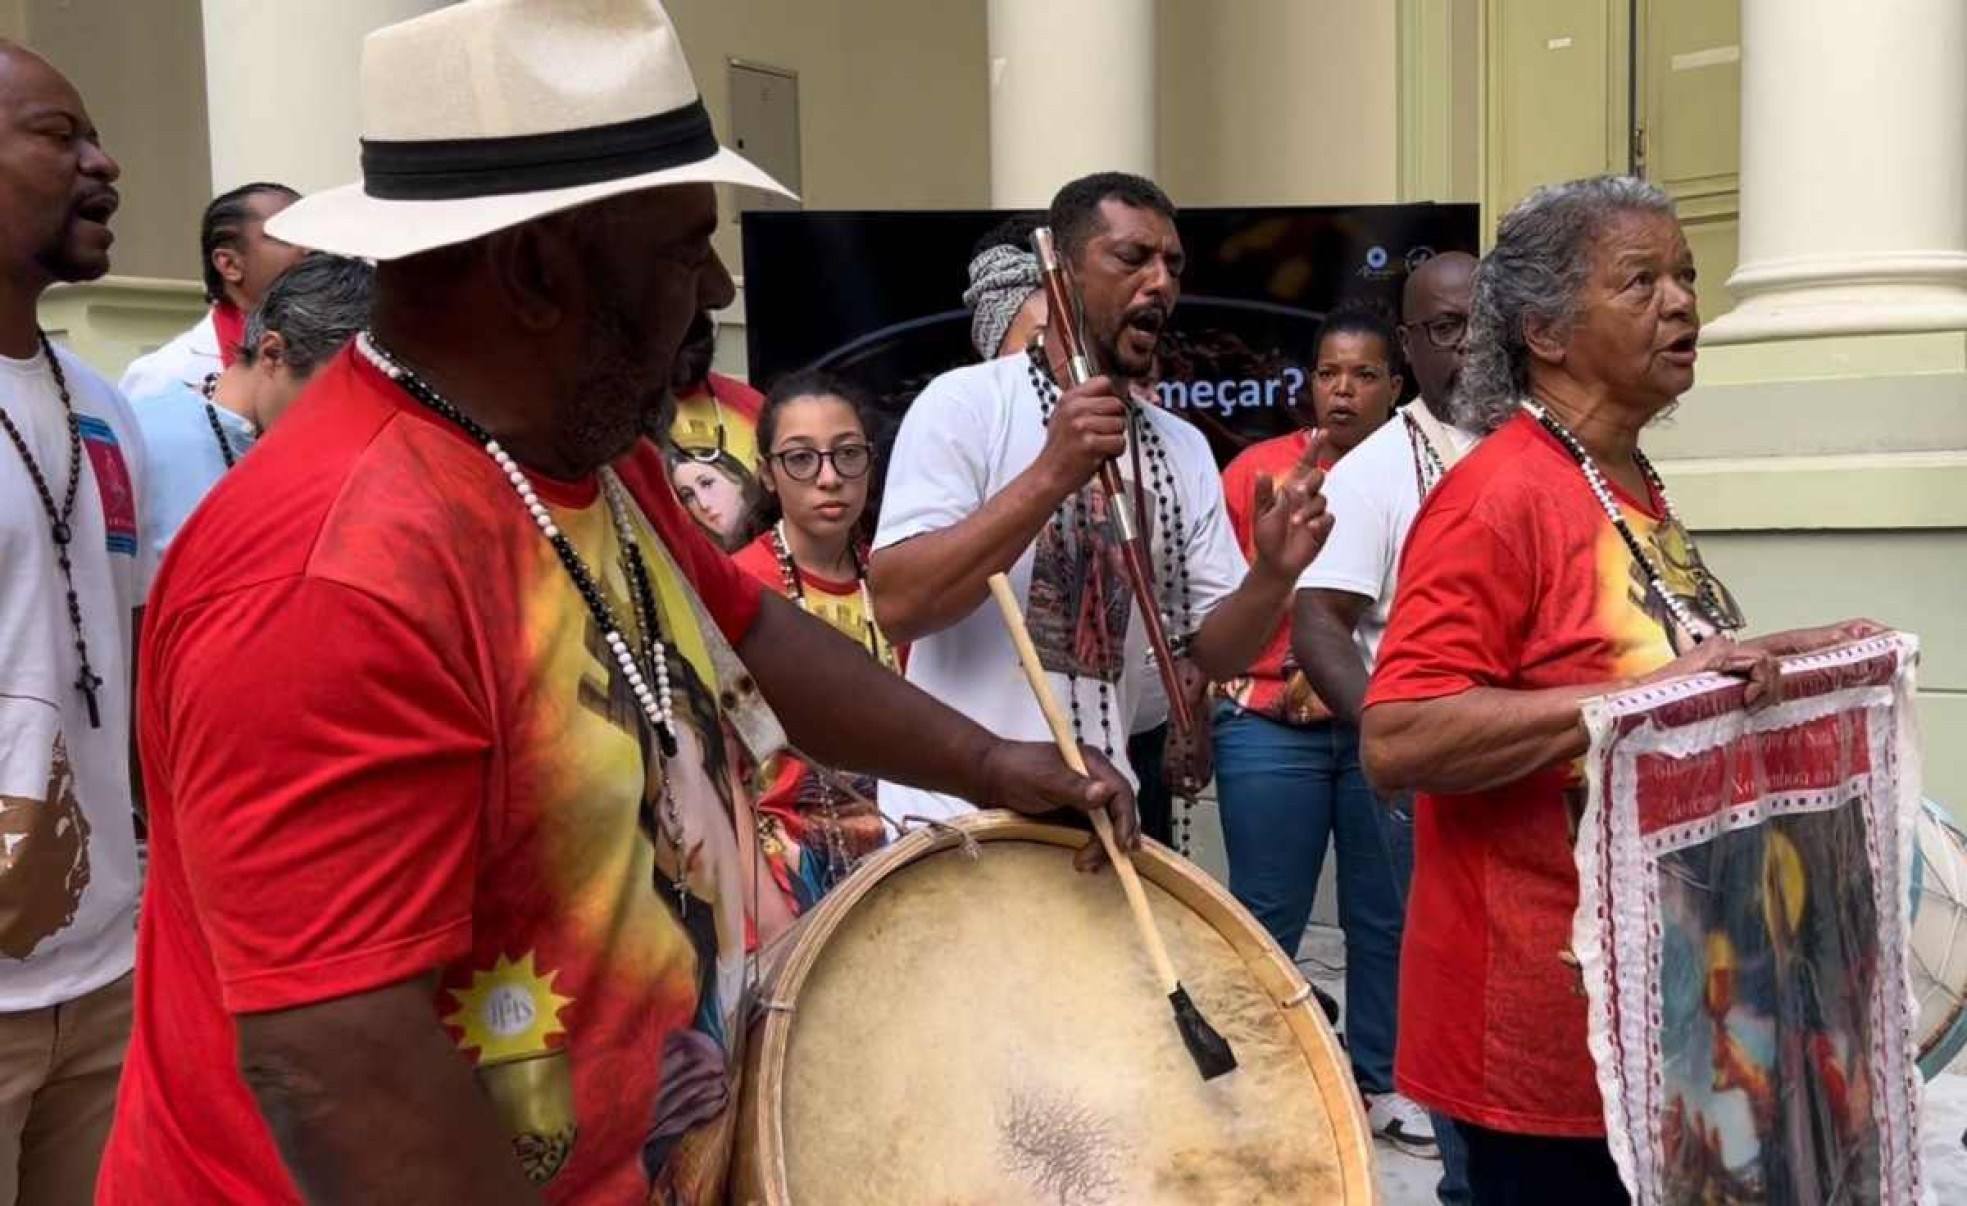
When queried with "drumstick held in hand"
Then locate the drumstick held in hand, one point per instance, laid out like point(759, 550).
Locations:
point(1209, 1049)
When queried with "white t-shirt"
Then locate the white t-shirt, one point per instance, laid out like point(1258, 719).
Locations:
point(1373, 494)
point(190, 357)
point(964, 439)
point(182, 457)
point(68, 859)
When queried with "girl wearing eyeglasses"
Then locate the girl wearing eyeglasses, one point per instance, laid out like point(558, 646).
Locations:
point(815, 468)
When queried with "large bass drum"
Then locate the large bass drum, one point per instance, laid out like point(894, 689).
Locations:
point(969, 1021)
point(1939, 939)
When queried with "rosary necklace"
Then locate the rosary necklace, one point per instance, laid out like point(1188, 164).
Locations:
point(60, 517)
point(1718, 613)
point(644, 663)
point(226, 451)
point(795, 589)
point(1178, 619)
point(1427, 462)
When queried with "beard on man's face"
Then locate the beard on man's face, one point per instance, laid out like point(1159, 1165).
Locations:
point(621, 390)
point(694, 358)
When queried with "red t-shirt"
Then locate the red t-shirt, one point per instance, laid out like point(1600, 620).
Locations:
point(382, 737)
point(1274, 686)
point(1513, 578)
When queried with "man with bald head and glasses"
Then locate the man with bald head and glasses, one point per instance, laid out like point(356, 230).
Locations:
point(1344, 598)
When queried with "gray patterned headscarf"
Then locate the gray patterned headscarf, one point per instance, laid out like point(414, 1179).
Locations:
point(1001, 278)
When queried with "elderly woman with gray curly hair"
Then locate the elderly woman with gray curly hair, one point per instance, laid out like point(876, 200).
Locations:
point(1548, 567)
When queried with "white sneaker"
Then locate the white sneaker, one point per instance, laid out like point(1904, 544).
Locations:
point(1403, 1124)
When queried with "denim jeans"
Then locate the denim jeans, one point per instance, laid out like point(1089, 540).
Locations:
point(1285, 792)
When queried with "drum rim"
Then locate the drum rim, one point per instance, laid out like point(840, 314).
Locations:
point(1936, 1050)
point(1190, 885)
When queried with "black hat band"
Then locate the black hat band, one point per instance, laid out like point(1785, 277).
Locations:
point(459, 168)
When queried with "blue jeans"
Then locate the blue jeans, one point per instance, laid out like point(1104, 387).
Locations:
point(1286, 792)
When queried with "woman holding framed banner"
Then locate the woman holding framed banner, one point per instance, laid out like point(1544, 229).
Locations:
point(1547, 569)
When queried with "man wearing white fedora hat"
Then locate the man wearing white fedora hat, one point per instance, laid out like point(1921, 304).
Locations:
point(459, 915)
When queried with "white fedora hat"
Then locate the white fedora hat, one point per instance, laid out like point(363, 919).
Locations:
point(489, 113)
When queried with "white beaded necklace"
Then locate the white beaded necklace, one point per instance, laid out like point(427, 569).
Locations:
point(656, 702)
point(1601, 489)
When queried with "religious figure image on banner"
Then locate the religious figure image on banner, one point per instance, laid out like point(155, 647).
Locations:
point(1766, 1038)
point(1741, 932)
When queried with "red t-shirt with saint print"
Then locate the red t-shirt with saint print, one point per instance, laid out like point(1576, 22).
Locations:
point(382, 737)
point(1513, 578)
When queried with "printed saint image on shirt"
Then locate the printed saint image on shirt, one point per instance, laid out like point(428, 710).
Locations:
point(1080, 603)
point(690, 822)
point(599, 1007)
point(44, 860)
point(1668, 546)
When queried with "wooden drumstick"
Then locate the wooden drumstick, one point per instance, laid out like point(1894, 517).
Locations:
point(1211, 1052)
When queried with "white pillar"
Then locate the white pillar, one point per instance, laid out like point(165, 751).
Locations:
point(1072, 88)
point(282, 87)
point(1854, 170)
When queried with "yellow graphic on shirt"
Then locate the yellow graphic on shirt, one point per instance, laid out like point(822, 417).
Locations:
point(509, 1012)
point(847, 614)
point(1637, 622)
point(638, 855)
point(508, 1015)
point(702, 425)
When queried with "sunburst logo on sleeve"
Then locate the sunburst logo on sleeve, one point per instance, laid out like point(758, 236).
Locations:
point(509, 1012)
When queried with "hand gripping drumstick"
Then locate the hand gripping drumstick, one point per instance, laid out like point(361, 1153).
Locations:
point(1209, 1050)
point(1062, 328)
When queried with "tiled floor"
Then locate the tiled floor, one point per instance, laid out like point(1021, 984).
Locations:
point(1406, 1181)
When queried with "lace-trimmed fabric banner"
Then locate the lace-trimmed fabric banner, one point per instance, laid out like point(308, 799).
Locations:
point(1742, 928)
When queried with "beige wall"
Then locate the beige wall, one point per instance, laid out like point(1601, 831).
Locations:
point(282, 84)
point(894, 107)
point(1279, 101)
point(140, 69)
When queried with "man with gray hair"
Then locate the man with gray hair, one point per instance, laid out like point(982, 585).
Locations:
point(191, 437)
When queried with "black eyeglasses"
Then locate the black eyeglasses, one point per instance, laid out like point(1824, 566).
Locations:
point(803, 464)
point(1444, 332)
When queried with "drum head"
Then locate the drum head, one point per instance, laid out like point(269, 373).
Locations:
point(988, 1030)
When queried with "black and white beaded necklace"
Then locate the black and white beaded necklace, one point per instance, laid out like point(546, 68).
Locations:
point(1427, 461)
point(1175, 599)
point(226, 451)
point(1717, 615)
point(643, 662)
point(60, 520)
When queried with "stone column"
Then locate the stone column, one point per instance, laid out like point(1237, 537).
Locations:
point(282, 85)
point(1072, 91)
point(1853, 170)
